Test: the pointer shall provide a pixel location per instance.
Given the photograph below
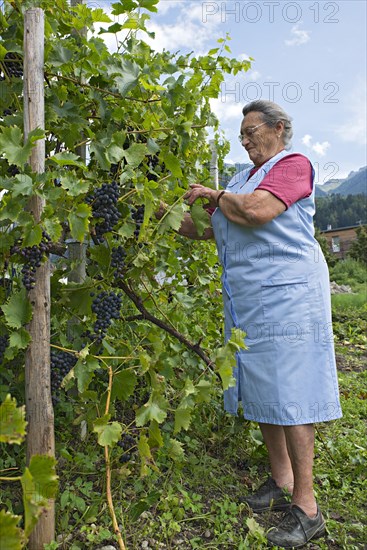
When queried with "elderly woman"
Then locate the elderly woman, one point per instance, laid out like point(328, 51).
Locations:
point(276, 288)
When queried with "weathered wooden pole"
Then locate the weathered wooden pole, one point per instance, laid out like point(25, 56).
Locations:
point(40, 416)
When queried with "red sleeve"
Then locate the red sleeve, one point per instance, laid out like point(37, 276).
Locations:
point(290, 179)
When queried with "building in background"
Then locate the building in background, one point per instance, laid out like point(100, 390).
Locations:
point(340, 239)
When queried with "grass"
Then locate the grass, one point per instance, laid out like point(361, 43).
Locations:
point(349, 300)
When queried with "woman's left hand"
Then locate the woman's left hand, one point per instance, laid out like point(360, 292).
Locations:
point(198, 191)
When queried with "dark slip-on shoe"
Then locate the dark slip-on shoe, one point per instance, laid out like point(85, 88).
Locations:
point(268, 497)
point(296, 529)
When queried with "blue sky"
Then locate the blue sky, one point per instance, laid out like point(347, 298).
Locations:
point(309, 56)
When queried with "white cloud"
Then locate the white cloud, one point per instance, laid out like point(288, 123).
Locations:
point(253, 75)
point(299, 36)
point(229, 109)
point(165, 5)
point(354, 130)
point(317, 147)
point(188, 30)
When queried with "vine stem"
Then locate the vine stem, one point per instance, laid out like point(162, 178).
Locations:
point(18, 478)
point(108, 470)
point(161, 324)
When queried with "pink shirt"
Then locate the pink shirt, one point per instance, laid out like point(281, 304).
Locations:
point(289, 180)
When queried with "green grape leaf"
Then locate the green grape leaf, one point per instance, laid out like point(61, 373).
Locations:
point(135, 154)
point(129, 76)
point(32, 235)
point(53, 228)
point(12, 421)
point(175, 450)
point(237, 339)
point(255, 527)
point(145, 455)
point(123, 385)
point(17, 310)
point(154, 409)
point(19, 339)
point(9, 209)
point(22, 186)
point(39, 483)
point(149, 4)
point(225, 359)
point(11, 536)
point(12, 147)
point(203, 389)
point(108, 433)
point(225, 362)
point(200, 218)
point(79, 221)
point(174, 217)
point(84, 372)
point(67, 159)
point(182, 419)
point(74, 185)
point(155, 435)
point(173, 164)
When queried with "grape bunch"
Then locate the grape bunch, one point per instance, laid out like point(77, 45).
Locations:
point(153, 162)
point(61, 363)
point(13, 65)
point(128, 445)
point(32, 256)
point(4, 341)
point(118, 256)
point(138, 217)
point(107, 307)
point(104, 206)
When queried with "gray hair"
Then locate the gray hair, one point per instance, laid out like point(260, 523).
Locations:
point(271, 114)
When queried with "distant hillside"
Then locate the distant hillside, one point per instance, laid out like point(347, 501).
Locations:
point(331, 185)
point(319, 191)
point(354, 184)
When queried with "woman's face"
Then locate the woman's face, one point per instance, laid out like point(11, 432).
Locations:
point(264, 142)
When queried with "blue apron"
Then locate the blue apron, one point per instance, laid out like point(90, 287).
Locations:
point(275, 286)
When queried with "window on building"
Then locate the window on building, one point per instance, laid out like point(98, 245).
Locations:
point(335, 244)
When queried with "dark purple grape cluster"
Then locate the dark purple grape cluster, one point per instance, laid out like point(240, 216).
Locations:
point(138, 217)
point(153, 162)
point(61, 363)
point(32, 256)
point(128, 445)
point(118, 256)
point(13, 170)
point(104, 206)
point(107, 307)
point(13, 65)
point(57, 182)
point(4, 342)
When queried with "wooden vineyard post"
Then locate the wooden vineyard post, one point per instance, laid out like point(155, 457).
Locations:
point(40, 416)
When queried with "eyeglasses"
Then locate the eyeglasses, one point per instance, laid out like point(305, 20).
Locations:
point(249, 131)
